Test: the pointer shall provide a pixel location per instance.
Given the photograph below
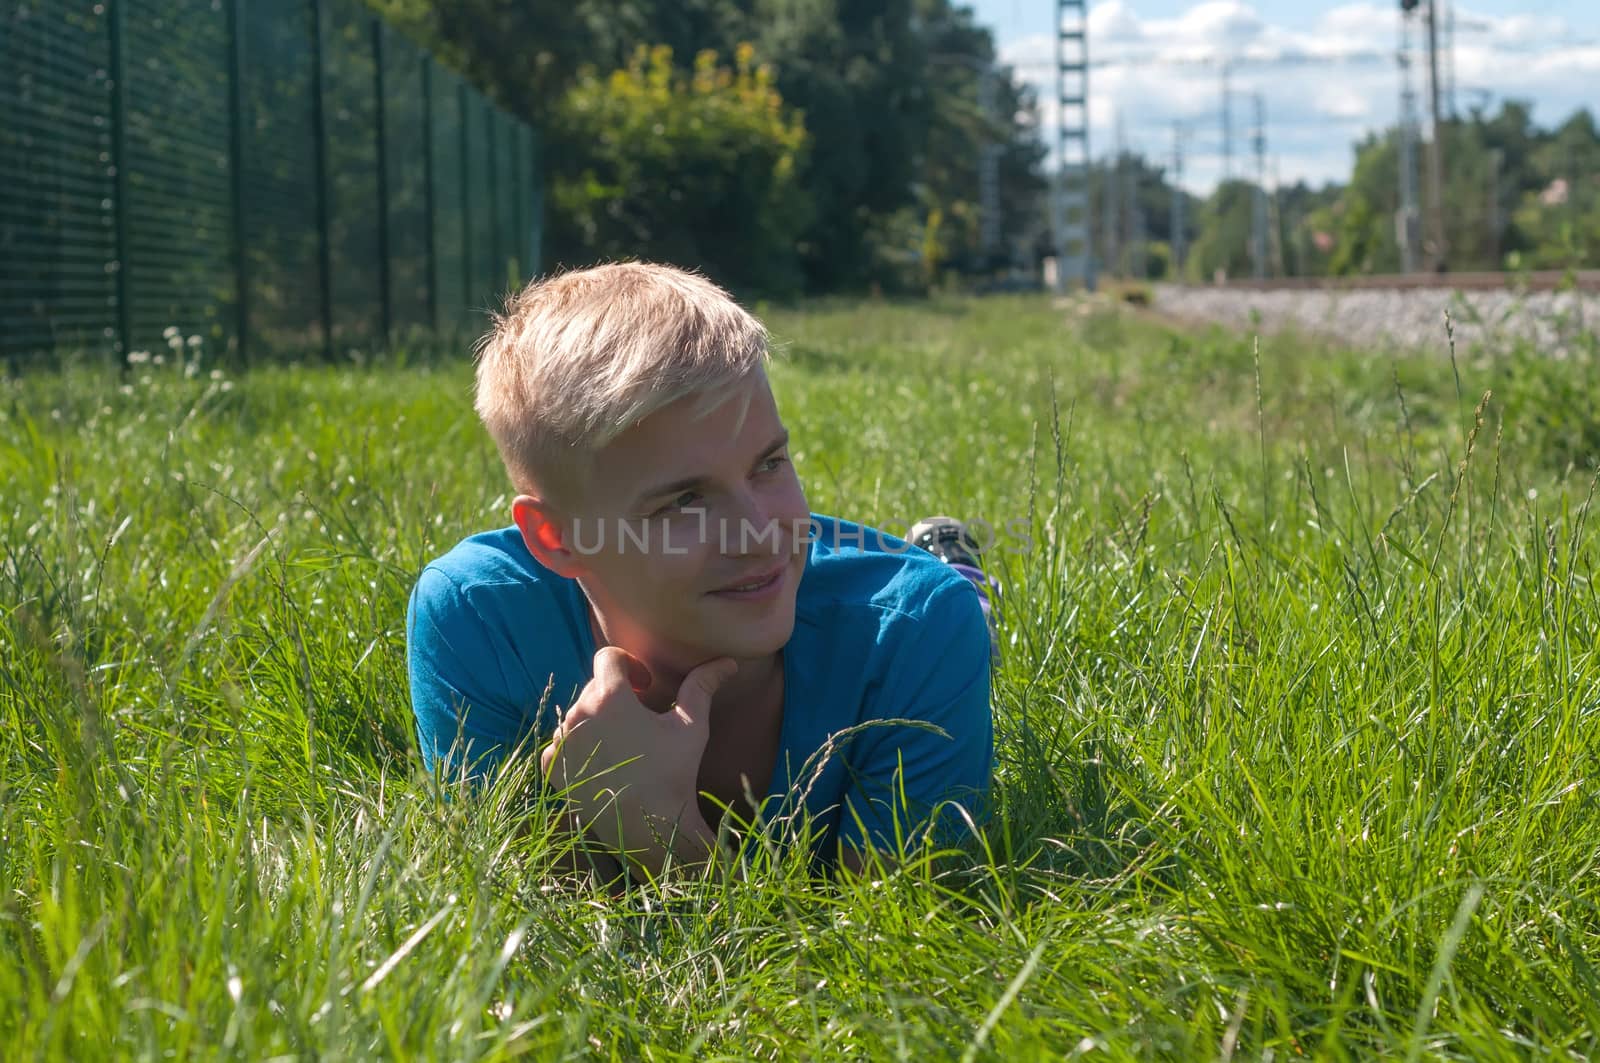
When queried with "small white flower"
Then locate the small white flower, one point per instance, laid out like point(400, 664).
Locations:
point(193, 341)
point(169, 332)
point(138, 357)
point(216, 374)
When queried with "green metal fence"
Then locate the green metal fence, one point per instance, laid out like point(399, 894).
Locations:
point(274, 176)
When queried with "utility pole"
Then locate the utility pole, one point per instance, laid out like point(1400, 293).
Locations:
point(1496, 161)
point(1178, 223)
point(1258, 212)
point(1227, 120)
point(1111, 186)
point(1438, 251)
point(1139, 262)
point(1450, 59)
point(1408, 218)
point(1275, 225)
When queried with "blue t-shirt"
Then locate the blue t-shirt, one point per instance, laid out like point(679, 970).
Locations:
point(883, 631)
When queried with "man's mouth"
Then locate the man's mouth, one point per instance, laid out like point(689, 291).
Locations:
point(755, 583)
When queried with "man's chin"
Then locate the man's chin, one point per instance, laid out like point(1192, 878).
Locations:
point(761, 640)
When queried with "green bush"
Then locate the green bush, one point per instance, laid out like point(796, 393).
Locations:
point(693, 168)
point(1549, 403)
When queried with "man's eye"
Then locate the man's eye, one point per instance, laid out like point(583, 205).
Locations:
point(683, 501)
point(773, 464)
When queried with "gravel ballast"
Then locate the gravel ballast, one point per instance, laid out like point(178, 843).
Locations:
point(1412, 319)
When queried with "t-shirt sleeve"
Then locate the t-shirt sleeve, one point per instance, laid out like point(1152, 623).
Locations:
point(470, 712)
point(900, 778)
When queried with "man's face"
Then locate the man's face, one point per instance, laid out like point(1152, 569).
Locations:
point(693, 539)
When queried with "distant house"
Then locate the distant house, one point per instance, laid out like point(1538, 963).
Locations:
point(1556, 194)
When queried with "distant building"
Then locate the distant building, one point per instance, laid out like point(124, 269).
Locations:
point(1556, 194)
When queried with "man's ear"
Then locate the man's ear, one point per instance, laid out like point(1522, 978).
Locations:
point(543, 532)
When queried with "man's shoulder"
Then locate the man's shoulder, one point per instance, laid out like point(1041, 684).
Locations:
point(858, 568)
point(489, 571)
point(490, 557)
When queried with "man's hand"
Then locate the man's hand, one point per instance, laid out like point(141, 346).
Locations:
point(628, 772)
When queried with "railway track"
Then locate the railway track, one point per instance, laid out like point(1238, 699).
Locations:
point(1556, 313)
point(1539, 281)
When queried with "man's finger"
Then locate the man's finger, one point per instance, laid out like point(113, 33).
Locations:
point(617, 669)
point(551, 753)
point(566, 725)
point(694, 695)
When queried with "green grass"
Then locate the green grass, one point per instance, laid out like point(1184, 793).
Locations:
point(1298, 725)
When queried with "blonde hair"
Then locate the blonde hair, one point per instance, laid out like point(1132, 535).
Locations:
point(576, 359)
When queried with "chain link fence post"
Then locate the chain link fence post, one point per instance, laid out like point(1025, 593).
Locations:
point(462, 102)
point(534, 195)
point(385, 281)
point(241, 274)
point(496, 258)
point(119, 181)
point(319, 133)
point(429, 206)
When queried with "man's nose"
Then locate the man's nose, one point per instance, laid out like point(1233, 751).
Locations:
point(751, 528)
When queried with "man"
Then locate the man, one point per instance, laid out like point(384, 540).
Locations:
point(667, 619)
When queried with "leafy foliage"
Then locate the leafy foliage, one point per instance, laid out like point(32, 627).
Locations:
point(1225, 227)
point(700, 168)
point(1515, 196)
point(888, 91)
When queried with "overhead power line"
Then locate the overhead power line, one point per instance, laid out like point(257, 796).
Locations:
point(1364, 56)
point(1219, 61)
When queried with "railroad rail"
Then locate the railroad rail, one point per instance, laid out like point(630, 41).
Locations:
point(1537, 281)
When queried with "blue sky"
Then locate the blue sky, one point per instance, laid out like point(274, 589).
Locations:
point(1547, 53)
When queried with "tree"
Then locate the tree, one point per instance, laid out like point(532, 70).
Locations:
point(1512, 193)
point(856, 72)
point(1137, 193)
point(893, 135)
point(1225, 225)
point(961, 68)
point(1557, 223)
point(1309, 226)
point(700, 168)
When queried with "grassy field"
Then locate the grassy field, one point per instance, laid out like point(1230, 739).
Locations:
point(1298, 723)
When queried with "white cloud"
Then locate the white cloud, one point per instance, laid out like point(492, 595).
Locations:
point(1114, 23)
point(1324, 86)
point(1338, 100)
point(1219, 23)
point(1525, 29)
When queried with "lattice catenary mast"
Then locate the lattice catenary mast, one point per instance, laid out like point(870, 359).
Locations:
point(1069, 213)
